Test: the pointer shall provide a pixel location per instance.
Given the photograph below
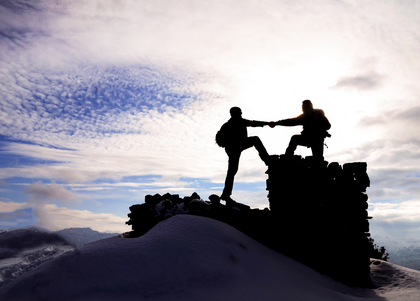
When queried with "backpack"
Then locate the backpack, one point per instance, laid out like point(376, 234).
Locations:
point(222, 136)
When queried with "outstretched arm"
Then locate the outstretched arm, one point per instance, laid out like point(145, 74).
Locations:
point(288, 122)
point(255, 123)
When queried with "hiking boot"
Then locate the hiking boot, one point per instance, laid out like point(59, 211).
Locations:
point(229, 201)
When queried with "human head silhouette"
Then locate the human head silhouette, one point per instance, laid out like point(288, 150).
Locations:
point(307, 106)
point(235, 112)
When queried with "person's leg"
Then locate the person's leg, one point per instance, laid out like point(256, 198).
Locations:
point(318, 148)
point(233, 165)
point(294, 142)
point(259, 146)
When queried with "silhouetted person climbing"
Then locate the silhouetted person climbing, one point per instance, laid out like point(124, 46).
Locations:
point(315, 126)
point(233, 136)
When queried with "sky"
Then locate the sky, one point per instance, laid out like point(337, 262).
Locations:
point(104, 102)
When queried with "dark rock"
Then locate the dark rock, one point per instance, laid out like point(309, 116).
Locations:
point(195, 196)
point(318, 215)
point(214, 199)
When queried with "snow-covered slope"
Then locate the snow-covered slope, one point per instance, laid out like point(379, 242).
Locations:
point(395, 282)
point(190, 258)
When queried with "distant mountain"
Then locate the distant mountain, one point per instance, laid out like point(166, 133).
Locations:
point(82, 236)
point(23, 250)
point(17, 240)
point(408, 257)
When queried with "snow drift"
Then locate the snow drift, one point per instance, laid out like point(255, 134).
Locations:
point(183, 258)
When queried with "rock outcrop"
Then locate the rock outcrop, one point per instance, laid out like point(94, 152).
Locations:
point(317, 215)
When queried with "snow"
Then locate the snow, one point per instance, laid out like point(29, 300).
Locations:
point(396, 282)
point(195, 258)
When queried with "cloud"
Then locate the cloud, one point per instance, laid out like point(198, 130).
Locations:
point(407, 117)
point(52, 217)
point(129, 155)
point(17, 218)
point(40, 193)
point(14, 215)
point(85, 104)
point(360, 82)
point(402, 219)
point(11, 206)
point(94, 89)
point(407, 211)
point(3, 183)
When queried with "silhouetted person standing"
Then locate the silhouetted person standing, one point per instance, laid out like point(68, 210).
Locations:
point(236, 140)
point(315, 126)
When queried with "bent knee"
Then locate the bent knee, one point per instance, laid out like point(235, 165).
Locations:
point(295, 138)
point(254, 138)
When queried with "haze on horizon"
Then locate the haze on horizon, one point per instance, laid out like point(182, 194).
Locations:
point(103, 102)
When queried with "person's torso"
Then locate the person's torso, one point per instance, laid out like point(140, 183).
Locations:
point(313, 123)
